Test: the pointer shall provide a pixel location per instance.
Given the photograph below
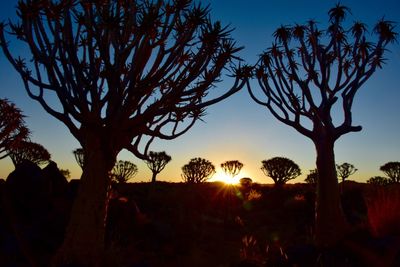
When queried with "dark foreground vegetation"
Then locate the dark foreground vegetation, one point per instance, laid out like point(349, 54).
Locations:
point(206, 224)
point(123, 73)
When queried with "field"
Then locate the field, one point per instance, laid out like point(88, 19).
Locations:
point(208, 224)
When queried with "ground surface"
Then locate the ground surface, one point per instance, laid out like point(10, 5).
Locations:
point(210, 224)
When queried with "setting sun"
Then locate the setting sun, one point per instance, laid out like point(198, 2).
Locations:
point(223, 177)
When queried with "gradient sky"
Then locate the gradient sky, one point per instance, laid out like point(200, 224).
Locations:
point(237, 128)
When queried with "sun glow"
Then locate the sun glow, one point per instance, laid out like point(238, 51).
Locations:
point(223, 177)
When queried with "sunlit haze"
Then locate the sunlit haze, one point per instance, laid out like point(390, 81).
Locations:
point(223, 177)
point(237, 128)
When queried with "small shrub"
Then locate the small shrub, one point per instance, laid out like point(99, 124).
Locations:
point(270, 254)
point(254, 195)
point(384, 211)
point(378, 181)
point(250, 250)
point(246, 182)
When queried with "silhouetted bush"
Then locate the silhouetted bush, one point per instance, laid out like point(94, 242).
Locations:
point(312, 177)
point(246, 182)
point(378, 180)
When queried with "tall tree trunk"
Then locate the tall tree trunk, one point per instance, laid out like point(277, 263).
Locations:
point(84, 237)
point(153, 178)
point(342, 186)
point(330, 221)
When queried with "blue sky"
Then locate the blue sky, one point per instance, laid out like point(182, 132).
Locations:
point(238, 129)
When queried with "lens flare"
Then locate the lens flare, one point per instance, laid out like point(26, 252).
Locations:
point(223, 177)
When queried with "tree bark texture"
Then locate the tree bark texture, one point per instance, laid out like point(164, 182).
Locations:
point(330, 221)
point(84, 240)
point(153, 178)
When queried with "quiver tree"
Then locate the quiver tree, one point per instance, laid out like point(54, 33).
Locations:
point(303, 76)
point(12, 127)
point(79, 155)
point(378, 180)
point(392, 170)
point(124, 73)
point(198, 170)
point(123, 171)
point(232, 167)
point(156, 162)
point(312, 177)
point(66, 173)
point(280, 169)
point(31, 151)
point(344, 170)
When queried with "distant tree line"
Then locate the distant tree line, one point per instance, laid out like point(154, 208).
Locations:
point(392, 170)
point(15, 143)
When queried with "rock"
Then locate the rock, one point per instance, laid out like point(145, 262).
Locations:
point(56, 180)
point(28, 190)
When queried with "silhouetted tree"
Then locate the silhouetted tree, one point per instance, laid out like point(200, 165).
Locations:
point(344, 171)
point(123, 171)
point(302, 76)
point(312, 177)
point(156, 162)
point(378, 180)
point(31, 151)
point(280, 169)
point(79, 155)
point(12, 127)
point(66, 173)
point(246, 182)
point(124, 73)
point(392, 170)
point(198, 170)
point(232, 167)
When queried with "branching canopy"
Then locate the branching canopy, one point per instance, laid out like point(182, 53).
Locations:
point(345, 170)
point(198, 170)
point(129, 70)
point(157, 161)
point(392, 170)
point(379, 180)
point(123, 171)
point(280, 169)
point(79, 155)
point(31, 151)
point(307, 70)
point(232, 167)
point(312, 177)
point(12, 127)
